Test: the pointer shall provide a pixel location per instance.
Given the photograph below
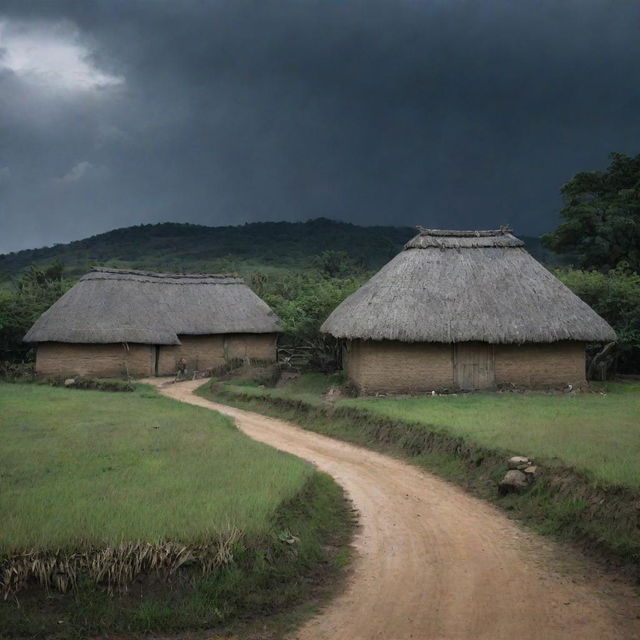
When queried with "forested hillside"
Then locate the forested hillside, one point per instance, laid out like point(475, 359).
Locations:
point(244, 248)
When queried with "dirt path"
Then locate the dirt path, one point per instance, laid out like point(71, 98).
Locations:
point(435, 563)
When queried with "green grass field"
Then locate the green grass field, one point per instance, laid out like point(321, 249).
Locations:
point(112, 488)
point(597, 432)
point(87, 468)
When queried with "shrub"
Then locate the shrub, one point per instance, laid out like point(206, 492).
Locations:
point(21, 306)
point(96, 384)
point(17, 371)
point(616, 297)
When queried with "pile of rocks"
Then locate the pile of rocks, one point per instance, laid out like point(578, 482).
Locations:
point(522, 472)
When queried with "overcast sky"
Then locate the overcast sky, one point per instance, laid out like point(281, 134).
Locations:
point(433, 112)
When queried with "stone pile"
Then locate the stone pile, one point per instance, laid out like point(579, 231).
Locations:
point(521, 474)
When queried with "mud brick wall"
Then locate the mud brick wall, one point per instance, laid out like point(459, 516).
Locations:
point(200, 353)
point(540, 365)
point(254, 346)
point(398, 367)
point(94, 360)
point(212, 351)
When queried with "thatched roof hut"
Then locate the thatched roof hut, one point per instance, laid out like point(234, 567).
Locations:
point(116, 306)
point(462, 287)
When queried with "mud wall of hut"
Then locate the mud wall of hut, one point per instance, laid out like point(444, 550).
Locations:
point(399, 367)
point(118, 360)
point(254, 346)
point(540, 365)
point(199, 352)
point(211, 352)
point(95, 360)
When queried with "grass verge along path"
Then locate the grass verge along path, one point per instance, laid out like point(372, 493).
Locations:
point(598, 433)
point(152, 515)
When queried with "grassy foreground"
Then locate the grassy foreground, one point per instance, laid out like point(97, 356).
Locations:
point(587, 485)
point(85, 468)
point(207, 526)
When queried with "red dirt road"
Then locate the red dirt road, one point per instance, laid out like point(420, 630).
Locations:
point(434, 563)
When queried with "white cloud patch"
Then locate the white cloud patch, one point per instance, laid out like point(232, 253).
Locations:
point(82, 171)
point(76, 172)
point(51, 56)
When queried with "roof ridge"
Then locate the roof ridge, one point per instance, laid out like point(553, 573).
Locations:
point(161, 275)
point(468, 233)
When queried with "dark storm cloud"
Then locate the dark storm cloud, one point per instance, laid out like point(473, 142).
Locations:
point(441, 113)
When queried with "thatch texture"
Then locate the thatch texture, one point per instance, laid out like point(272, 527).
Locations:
point(114, 305)
point(461, 286)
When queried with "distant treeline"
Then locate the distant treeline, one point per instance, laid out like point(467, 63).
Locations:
point(243, 248)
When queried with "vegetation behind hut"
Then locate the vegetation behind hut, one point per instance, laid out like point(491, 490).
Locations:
point(601, 217)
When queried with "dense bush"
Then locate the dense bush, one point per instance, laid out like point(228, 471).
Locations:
point(22, 303)
point(616, 297)
point(303, 300)
point(17, 371)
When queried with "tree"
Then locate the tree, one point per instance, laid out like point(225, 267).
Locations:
point(21, 306)
point(337, 264)
point(303, 300)
point(601, 226)
point(616, 297)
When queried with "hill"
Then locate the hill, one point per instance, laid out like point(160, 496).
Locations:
point(243, 248)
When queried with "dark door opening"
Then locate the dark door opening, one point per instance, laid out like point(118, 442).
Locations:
point(156, 359)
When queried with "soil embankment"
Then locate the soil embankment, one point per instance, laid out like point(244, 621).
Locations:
point(435, 563)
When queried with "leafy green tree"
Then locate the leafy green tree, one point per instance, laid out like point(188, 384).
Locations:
point(21, 306)
point(303, 300)
point(616, 297)
point(601, 225)
point(337, 264)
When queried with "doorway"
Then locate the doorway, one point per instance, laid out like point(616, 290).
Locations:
point(156, 359)
point(474, 366)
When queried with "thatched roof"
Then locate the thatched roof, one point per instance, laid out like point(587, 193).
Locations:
point(116, 305)
point(460, 286)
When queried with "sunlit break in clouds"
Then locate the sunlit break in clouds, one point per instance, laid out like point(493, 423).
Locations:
point(51, 56)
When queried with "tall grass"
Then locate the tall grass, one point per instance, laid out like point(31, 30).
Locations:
point(83, 469)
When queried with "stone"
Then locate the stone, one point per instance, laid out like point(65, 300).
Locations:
point(531, 470)
point(519, 462)
point(514, 481)
point(69, 382)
